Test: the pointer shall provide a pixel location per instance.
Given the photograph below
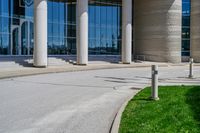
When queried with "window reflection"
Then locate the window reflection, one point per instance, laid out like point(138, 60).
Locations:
point(104, 27)
point(61, 27)
point(15, 16)
point(16, 27)
point(186, 28)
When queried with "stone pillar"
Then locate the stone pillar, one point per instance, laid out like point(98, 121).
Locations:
point(126, 31)
point(195, 30)
point(158, 30)
point(40, 33)
point(82, 32)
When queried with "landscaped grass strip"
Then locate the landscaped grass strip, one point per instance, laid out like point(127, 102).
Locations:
point(178, 110)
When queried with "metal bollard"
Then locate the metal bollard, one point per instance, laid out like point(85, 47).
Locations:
point(154, 83)
point(191, 68)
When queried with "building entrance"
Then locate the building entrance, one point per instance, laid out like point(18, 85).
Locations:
point(22, 38)
point(15, 48)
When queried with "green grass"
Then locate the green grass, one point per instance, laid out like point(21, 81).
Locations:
point(177, 111)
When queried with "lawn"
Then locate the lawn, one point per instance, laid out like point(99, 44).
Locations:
point(177, 111)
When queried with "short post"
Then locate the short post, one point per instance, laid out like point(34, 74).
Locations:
point(154, 83)
point(191, 68)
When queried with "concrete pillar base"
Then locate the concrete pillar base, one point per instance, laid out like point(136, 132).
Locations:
point(126, 63)
point(81, 64)
point(40, 66)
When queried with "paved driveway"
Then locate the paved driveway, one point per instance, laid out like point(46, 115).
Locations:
point(75, 102)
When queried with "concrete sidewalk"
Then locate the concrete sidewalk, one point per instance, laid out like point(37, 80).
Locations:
point(76, 102)
point(57, 67)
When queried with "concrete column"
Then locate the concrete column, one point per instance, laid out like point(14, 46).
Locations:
point(158, 25)
point(126, 31)
point(195, 30)
point(82, 32)
point(40, 33)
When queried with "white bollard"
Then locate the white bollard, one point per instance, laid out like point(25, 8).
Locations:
point(154, 83)
point(191, 68)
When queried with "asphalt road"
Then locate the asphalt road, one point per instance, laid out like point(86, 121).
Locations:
point(75, 102)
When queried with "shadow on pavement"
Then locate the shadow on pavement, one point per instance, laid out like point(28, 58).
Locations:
point(21, 60)
point(116, 78)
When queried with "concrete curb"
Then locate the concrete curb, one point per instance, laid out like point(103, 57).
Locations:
point(38, 71)
point(117, 120)
point(28, 71)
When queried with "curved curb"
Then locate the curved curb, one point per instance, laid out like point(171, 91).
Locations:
point(117, 120)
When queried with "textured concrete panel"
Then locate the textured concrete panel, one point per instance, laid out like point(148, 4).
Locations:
point(158, 30)
point(195, 30)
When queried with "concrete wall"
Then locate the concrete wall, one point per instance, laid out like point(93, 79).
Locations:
point(157, 26)
point(195, 30)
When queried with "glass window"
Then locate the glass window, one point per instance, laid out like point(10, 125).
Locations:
point(4, 7)
point(186, 28)
point(4, 44)
point(62, 26)
point(5, 24)
point(104, 27)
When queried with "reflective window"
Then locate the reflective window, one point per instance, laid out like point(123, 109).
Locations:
point(4, 44)
point(186, 28)
point(4, 28)
point(61, 27)
point(17, 28)
point(105, 27)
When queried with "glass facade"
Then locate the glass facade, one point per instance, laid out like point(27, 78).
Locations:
point(105, 21)
point(17, 31)
point(16, 27)
point(61, 27)
point(186, 28)
point(105, 27)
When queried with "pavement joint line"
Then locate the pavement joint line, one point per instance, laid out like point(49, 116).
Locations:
point(54, 84)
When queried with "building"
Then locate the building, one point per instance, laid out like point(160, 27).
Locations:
point(153, 30)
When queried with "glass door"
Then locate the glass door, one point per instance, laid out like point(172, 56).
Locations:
point(31, 40)
point(22, 38)
point(15, 48)
point(27, 37)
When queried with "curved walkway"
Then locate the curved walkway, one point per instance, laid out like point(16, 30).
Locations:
point(76, 102)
